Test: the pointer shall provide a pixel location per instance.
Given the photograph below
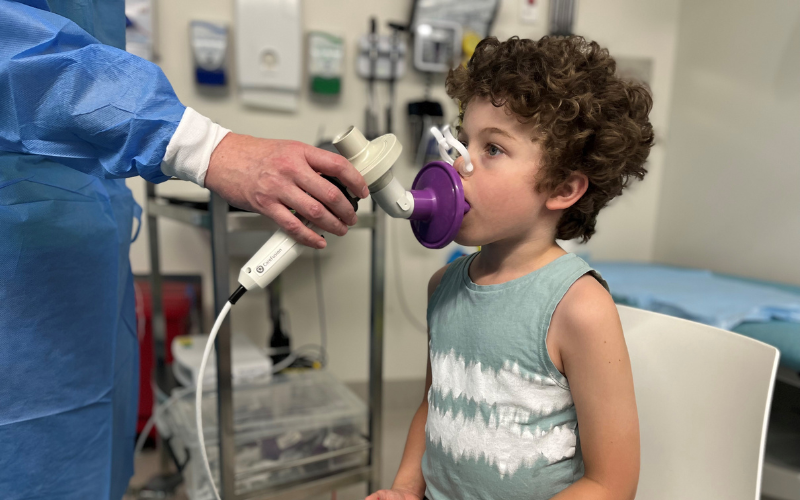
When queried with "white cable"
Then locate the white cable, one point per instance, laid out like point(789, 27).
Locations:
point(143, 436)
point(198, 402)
point(175, 396)
point(295, 354)
point(284, 363)
point(398, 281)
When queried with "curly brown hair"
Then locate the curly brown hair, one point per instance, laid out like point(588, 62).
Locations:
point(586, 118)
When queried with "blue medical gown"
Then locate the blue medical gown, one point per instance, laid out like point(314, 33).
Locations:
point(76, 116)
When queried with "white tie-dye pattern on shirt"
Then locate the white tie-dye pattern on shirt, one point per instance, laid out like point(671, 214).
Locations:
point(508, 386)
point(508, 447)
point(503, 442)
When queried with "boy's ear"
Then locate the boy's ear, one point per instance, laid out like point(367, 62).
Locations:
point(569, 192)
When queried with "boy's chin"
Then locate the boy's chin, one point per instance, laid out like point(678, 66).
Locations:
point(463, 238)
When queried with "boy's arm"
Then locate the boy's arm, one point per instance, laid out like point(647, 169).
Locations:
point(409, 483)
point(589, 346)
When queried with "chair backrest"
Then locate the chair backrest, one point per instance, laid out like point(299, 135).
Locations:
point(703, 396)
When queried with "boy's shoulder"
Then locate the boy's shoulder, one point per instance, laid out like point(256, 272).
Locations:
point(437, 277)
point(584, 321)
point(586, 303)
point(433, 283)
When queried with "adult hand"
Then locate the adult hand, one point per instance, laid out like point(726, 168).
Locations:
point(271, 176)
point(393, 495)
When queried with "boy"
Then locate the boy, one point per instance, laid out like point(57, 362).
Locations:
point(529, 392)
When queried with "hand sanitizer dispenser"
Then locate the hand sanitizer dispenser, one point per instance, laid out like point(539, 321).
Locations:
point(209, 48)
point(269, 53)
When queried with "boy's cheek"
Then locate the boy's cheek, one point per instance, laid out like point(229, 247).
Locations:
point(489, 193)
point(467, 185)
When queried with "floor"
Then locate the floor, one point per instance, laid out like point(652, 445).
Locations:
point(401, 400)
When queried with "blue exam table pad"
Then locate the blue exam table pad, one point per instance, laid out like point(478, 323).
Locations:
point(765, 311)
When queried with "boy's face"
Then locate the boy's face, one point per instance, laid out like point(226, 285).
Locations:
point(501, 190)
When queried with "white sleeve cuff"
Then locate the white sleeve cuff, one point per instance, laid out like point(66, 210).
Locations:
point(190, 148)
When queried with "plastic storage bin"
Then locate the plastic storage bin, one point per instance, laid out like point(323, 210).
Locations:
point(296, 428)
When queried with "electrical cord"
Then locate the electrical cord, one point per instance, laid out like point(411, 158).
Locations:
point(314, 349)
point(298, 354)
point(285, 362)
point(321, 349)
point(175, 396)
point(401, 289)
point(198, 400)
point(179, 394)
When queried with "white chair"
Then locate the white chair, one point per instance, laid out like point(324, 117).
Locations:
point(703, 396)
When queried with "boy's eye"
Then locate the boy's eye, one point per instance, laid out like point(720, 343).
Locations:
point(493, 150)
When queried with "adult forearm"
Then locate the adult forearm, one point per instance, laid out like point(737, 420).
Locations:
point(89, 106)
point(409, 476)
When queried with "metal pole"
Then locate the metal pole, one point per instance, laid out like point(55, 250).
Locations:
point(158, 324)
point(219, 255)
point(378, 270)
point(161, 374)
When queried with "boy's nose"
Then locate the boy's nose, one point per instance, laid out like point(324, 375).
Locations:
point(459, 166)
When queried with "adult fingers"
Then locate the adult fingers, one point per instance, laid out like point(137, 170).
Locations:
point(337, 166)
point(294, 227)
point(313, 210)
point(327, 193)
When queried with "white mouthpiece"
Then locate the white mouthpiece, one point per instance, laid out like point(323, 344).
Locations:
point(371, 158)
point(351, 143)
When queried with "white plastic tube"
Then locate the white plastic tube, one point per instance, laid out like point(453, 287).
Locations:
point(198, 400)
point(395, 200)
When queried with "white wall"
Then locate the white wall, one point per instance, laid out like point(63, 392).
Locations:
point(730, 198)
point(631, 29)
point(627, 27)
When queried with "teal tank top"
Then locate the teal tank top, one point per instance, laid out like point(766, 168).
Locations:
point(501, 421)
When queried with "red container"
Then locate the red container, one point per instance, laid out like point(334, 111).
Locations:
point(179, 298)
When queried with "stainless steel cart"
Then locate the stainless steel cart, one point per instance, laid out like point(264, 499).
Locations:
point(220, 221)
